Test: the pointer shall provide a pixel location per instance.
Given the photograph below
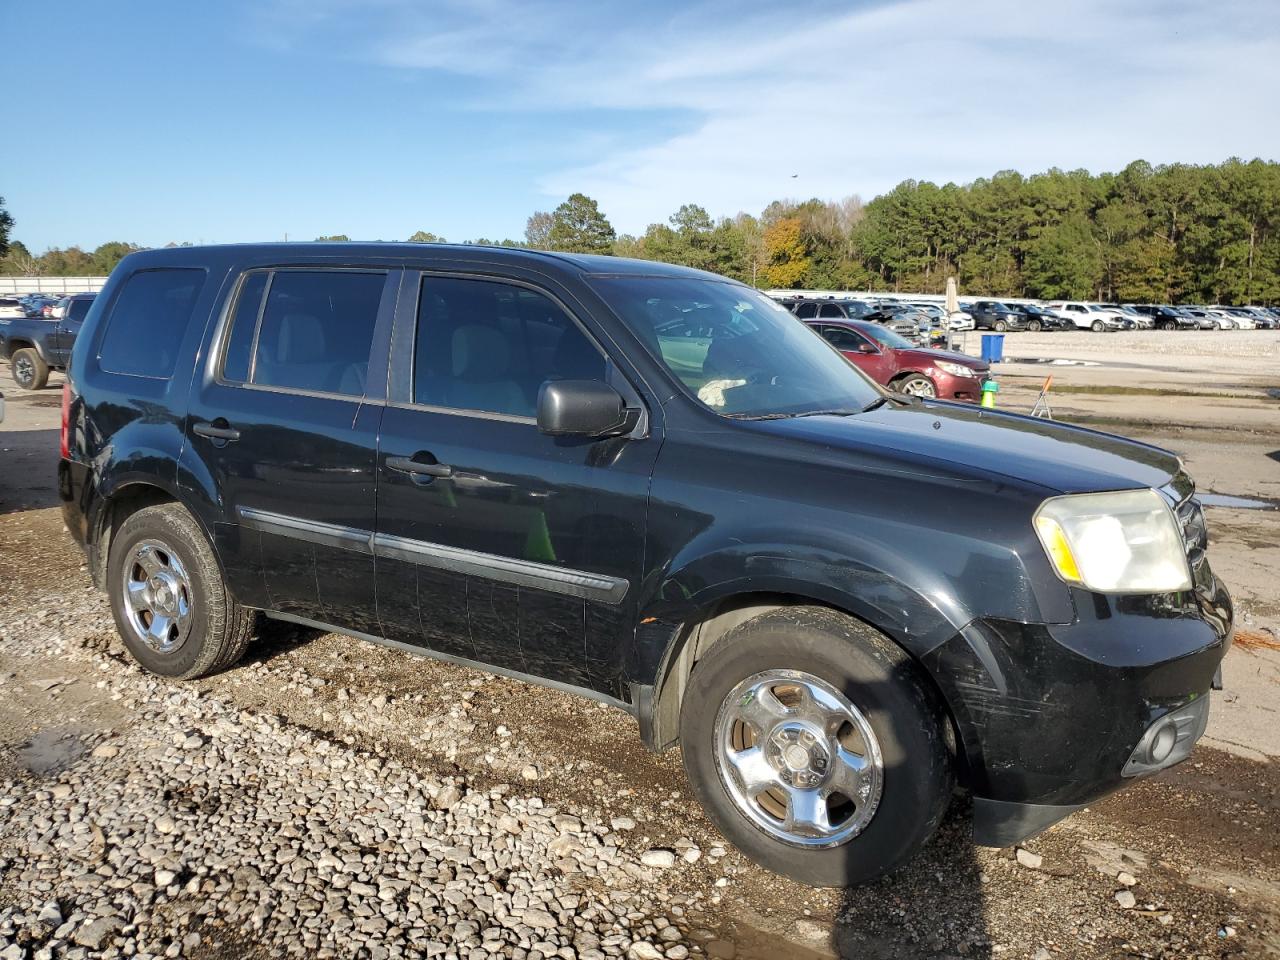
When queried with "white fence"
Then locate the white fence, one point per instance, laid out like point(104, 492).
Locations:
point(59, 285)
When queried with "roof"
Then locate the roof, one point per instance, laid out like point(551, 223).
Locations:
point(591, 264)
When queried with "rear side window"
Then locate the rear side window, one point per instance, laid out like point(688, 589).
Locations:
point(304, 330)
point(807, 311)
point(78, 310)
point(831, 311)
point(147, 322)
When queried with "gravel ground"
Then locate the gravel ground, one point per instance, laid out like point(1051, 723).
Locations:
point(203, 825)
point(328, 797)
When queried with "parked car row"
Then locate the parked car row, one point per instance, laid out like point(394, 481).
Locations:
point(1106, 317)
point(28, 304)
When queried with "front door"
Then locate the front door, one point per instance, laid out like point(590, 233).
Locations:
point(284, 421)
point(496, 543)
point(867, 356)
point(68, 329)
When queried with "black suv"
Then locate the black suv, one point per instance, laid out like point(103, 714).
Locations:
point(1165, 317)
point(833, 309)
point(655, 487)
point(997, 316)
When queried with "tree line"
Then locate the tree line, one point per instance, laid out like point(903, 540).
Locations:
point(1170, 234)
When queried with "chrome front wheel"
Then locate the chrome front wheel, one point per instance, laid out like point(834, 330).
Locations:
point(798, 758)
point(917, 385)
point(157, 595)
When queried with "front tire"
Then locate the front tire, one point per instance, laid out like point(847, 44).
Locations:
point(1034, 326)
point(1098, 326)
point(170, 605)
point(916, 385)
point(1000, 326)
point(28, 369)
point(816, 746)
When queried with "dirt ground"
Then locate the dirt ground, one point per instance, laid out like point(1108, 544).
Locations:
point(1199, 839)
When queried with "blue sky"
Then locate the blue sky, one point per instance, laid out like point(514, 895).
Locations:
point(233, 121)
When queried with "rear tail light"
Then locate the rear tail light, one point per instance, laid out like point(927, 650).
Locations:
point(64, 439)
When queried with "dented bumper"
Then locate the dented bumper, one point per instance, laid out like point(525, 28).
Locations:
point(1051, 717)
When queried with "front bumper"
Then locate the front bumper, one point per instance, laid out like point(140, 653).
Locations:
point(1052, 717)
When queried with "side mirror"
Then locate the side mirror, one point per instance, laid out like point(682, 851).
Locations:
point(582, 408)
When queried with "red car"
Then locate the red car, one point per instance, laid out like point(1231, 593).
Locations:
point(893, 362)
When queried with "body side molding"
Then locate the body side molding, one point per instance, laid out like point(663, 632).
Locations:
point(522, 573)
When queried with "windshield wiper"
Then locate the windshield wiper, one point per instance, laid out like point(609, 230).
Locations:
point(842, 412)
point(889, 398)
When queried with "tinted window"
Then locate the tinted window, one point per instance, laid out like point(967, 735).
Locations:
point(316, 330)
point(78, 310)
point(491, 346)
point(807, 311)
point(244, 324)
point(147, 322)
point(843, 339)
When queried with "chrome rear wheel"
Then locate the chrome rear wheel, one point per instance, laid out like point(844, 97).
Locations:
point(157, 596)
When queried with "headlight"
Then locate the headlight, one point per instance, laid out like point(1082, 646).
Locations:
point(955, 369)
point(1125, 542)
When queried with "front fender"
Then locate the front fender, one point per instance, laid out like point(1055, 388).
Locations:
point(919, 623)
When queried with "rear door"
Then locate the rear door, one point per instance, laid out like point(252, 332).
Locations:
point(285, 420)
point(495, 542)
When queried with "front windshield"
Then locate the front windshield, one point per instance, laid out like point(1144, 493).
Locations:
point(886, 336)
point(738, 352)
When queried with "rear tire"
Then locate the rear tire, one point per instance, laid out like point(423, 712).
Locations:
point(894, 722)
point(170, 605)
point(28, 369)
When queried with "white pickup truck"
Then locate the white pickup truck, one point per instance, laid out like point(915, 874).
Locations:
point(1087, 316)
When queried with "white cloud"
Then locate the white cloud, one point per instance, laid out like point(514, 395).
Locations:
point(856, 98)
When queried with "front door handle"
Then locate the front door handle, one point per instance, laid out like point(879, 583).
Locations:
point(409, 465)
point(219, 429)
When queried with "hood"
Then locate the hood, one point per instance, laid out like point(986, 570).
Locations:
point(975, 442)
point(928, 356)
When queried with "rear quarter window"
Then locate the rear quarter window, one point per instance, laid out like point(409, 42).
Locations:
point(148, 320)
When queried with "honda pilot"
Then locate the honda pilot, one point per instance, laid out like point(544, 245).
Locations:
point(657, 488)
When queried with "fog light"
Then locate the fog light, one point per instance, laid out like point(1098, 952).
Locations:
point(1169, 739)
point(1163, 743)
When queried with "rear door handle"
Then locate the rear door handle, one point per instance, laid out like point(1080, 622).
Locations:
point(217, 430)
point(409, 465)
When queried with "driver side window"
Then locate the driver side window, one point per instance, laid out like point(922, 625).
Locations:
point(846, 340)
point(489, 347)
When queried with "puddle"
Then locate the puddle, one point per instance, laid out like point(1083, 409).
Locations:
point(1238, 503)
point(1059, 362)
point(49, 751)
